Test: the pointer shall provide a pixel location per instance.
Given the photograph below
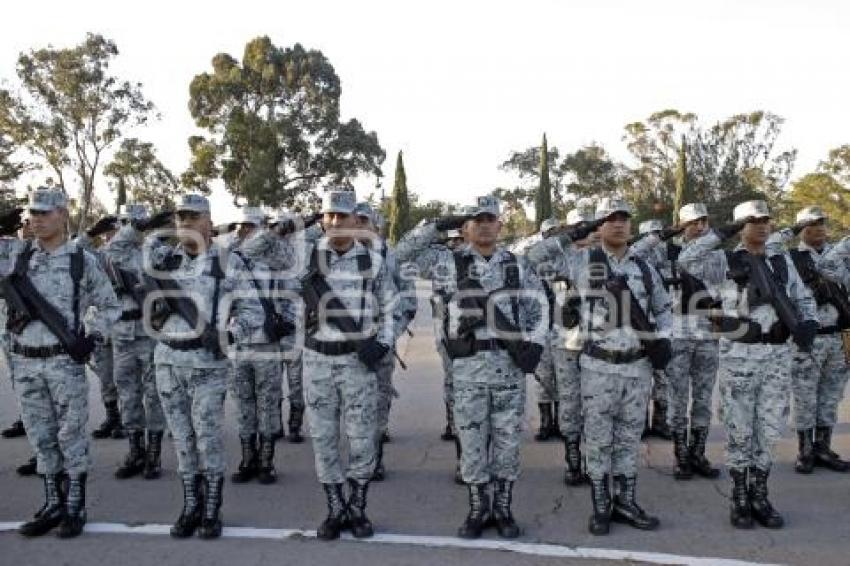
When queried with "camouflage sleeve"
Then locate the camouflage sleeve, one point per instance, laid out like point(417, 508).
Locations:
point(386, 297)
point(645, 248)
point(9, 250)
point(800, 294)
point(407, 303)
point(700, 260)
point(777, 241)
point(661, 305)
point(833, 264)
point(246, 312)
point(555, 257)
point(97, 293)
point(417, 247)
point(533, 302)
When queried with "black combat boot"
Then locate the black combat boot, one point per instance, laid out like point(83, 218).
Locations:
point(626, 510)
point(741, 515)
point(449, 433)
point(572, 455)
point(683, 460)
point(28, 469)
point(479, 512)
point(337, 518)
point(111, 427)
point(805, 458)
point(211, 521)
point(296, 419)
point(600, 521)
point(153, 461)
point(556, 420)
point(502, 515)
point(380, 471)
point(361, 526)
point(458, 475)
point(763, 511)
point(249, 465)
point(699, 463)
point(190, 516)
point(15, 430)
point(824, 456)
point(134, 463)
point(75, 507)
point(659, 425)
point(545, 430)
point(51, 513)
point(266, 473)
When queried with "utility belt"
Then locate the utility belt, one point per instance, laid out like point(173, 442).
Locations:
point(764, 338)
point(328, 348)
point(185, 345)
point(834, 329)
point(617, 357)
point(38, 351)
point(467, 347)
point(134, 314)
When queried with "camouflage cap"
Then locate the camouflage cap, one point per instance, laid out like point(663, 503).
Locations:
point(750, 209)
point(548, 224)
point(194, 203)
point(577, 215)
point(363, 209)
point(252, 215)
point(608, 206)
point(47, 199)
point(811, 214)
point(648, 226)
point(283, 214)
point(132, 211)
point(486, 205)
point(339, 201)
point(692, 211)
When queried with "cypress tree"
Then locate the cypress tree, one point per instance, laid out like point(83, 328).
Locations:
point(543, 199)
point(682, 191)
point(399, 220)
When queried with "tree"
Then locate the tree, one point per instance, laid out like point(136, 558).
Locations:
point(821, 189)
point(399, 206)
point(526, 165)
point(10, 166)
point(837, 164)
point(683, 193)
point(515, 221)
point(543, 197)
point(72, 110)
point(273, 126)
point(138, 171)
point(591, 172)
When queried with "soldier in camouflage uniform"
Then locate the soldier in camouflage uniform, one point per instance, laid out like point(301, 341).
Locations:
point(819, 378)
point(755, 359)
point(454, 239)
point(692, 372)
point(50, 385)
point(405, 310)
point(141, 410)
point(257, 366)
point(191, 368)
point(615, 364)
point(489, 382)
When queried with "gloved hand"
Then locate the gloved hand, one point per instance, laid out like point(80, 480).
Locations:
point(528, 357)
point(583, 229)
point(290, 226)
point(660, 352)
point(670, 232)
point(158, 220)
point(83, 346)
point(451, 222)
point(371, 352)
point(728, 230)
point(805, 333)
point(10, 222)
point(102, 226)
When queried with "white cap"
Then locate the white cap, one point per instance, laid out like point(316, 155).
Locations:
point(750, 209)
point(548, 224)
point(608, 206)
point(811, 214)
point(283, 214)
point(486, 205)
point(577, 215)
point(251, 215)
point(648, 226)
point(341, 201)
point(193, 202)
point(692, 211)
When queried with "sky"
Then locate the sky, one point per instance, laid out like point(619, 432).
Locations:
point(457, 86)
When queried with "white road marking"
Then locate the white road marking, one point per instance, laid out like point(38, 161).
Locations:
point(531, 549)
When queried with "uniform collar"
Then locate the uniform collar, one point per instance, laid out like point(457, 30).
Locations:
point(67, 247)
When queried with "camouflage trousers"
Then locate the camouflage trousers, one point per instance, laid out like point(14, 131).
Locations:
point(53, 395)
point(818, 389)
point(102, 365)
point(660, 386)
point(614, 412)
point(448, 381)
point(386, 392)
point(568, 380)
point(257, 390)
point(136, 383)
point(489, 407)
point(755, 383)
point(341, 390)
point(544, 374)
point(193, 402)
point(691, 374)
point(294, 378)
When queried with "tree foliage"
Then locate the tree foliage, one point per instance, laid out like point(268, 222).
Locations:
point(273, 128)
point(543, 197)
point(399, 206)
point(821, 189)
point(139, 174)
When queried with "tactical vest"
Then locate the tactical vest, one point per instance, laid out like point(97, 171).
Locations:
point(364, 266)
point(825, 292)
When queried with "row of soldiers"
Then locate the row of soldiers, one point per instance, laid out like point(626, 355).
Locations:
point(326, 290)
